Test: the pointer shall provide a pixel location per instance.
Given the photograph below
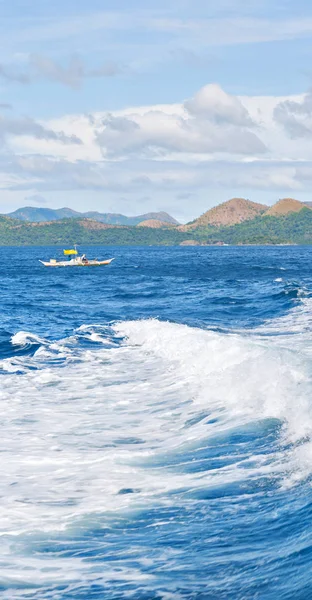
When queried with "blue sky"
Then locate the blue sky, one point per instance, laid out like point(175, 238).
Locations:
point(131, 106)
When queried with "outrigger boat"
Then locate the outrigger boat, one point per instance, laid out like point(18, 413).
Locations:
point(75, 261)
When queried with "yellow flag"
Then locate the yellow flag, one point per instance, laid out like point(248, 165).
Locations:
point(67, 252)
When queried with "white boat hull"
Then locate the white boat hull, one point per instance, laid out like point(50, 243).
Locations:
point(76, 262)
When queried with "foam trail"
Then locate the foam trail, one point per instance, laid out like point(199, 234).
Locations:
point(112, 428)
point(244, 375)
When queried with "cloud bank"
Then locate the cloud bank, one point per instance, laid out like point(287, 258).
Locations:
point(177, 153)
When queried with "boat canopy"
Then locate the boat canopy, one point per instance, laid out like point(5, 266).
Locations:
point(69, 252)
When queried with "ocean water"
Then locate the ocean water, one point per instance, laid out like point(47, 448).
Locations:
point(156, 425)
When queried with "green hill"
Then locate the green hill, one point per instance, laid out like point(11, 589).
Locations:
point(291, 228)
point(82, 231)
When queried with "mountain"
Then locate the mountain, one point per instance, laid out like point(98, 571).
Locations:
point(228, 213)
point(154, 224)
point(285, 206)
point(117, 219)
point(292, 228)
point(83, 232)
point(235, 222)
point(35, 215)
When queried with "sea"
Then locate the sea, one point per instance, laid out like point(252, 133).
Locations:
point(156, 424)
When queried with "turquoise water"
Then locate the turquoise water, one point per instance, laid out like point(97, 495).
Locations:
point(156, 423)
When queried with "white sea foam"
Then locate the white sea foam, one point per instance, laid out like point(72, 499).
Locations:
point(241, 375)
point(296, 321)
point(76, 436)
point(74, 432)
point(21, 338)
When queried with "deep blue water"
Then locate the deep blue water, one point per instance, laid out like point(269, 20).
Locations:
point(156, 423)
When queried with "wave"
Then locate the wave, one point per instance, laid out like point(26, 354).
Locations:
point(295, 322)
point(142, 418)
point(234, 374)
point(23, 338)
point(21, 344)
point(146, 393)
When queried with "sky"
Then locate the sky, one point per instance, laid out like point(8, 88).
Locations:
point(133, 106)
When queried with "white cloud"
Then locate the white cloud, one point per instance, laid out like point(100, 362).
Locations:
point(213, 103)
point(45, 173)
point(211, 122)
point(25, 126)
point(168, 153)
point(295, 116)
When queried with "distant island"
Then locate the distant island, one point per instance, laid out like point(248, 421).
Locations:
point(236, 222)
point(38, 215)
